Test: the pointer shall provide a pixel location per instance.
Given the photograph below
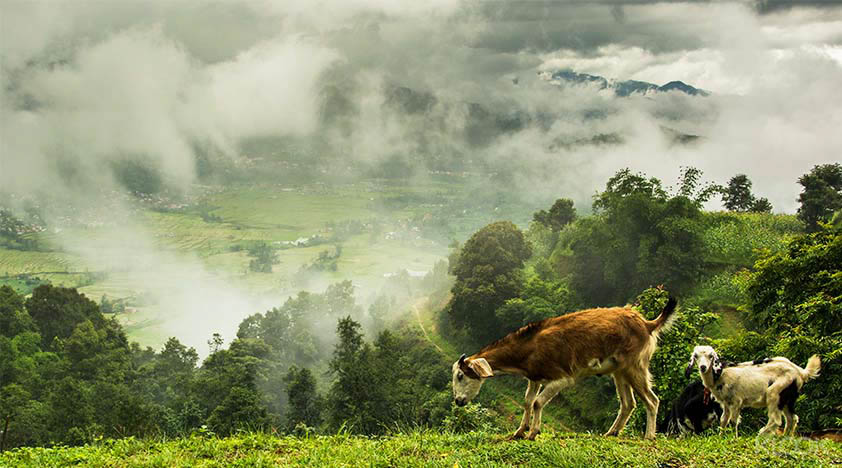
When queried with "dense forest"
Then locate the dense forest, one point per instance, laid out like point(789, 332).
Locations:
point(749, 282)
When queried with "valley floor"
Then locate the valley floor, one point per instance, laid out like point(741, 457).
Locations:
point(435, 449)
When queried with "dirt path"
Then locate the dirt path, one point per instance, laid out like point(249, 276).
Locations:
point(421, 324)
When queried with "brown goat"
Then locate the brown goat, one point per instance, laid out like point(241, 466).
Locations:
point(554, 353)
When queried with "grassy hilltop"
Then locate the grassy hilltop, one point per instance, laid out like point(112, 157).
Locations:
point(436, 450)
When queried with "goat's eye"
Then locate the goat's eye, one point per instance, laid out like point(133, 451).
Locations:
point(459, 376)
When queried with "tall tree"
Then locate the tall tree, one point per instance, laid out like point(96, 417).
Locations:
point(821, 195)
point(350, 396)
point(488, 273)
point(305, 403)
point(737, 195)
point(560, 214)
point(57, 311)
point(641, 236)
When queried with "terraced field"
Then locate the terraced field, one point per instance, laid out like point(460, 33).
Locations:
point(181, 242)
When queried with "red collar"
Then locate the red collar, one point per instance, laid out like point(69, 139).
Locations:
point(706, 398)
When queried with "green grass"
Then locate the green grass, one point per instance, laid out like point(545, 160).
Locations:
point(14, 262)
point(434, 450)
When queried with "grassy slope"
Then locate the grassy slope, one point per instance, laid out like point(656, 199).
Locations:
point(434, 449)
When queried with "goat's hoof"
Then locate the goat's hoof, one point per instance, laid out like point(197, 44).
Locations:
point(533, 435)
point(517, 435)
point(610, 434)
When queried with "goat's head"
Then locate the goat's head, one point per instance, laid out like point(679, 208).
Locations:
point(468, 376)
point(706, 358)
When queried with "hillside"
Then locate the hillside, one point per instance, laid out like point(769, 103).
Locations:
point(434, 449)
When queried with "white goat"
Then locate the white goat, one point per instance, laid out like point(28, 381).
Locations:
point(770, 383)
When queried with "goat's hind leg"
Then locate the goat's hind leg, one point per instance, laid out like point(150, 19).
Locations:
point(531, 393)
point(641, 382)
point(791, 421)
point(627, 404)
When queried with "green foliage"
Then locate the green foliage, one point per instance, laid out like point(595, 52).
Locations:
point(640, 237)
point(821, 195)
point(264, 257)
point(795, 306)
point(305, 404)
point(737, 196)
point(800, 288)
point(690, 186)
point(488, 273)
point(560, 214)
point(57, 311)
point(352, 396)
point(741, 238)
point(537, 300)
point(325, 261)
point(674, 346)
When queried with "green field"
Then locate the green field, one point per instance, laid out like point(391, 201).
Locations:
point(432, 449)
point(243, 216)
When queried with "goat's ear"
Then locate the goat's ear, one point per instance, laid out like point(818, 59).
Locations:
point(481, 367)
point(689, 368)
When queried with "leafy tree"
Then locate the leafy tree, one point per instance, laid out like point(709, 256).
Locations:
point(350, 396)
point(13, 397)
point(57, 311)
point(242, 408)
point(560, 214)
point(737, 196)
point(14, 319)
point(264, 258)
point(800, 288)
point(538, 300)
point(821, 195)
point(690, 186)
point(488, 273)
point(640, 236)
point(305, 403)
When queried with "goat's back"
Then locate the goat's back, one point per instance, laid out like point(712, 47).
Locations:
point(564, 345)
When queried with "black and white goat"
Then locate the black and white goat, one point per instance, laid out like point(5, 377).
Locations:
point(692, 412)
point(769, 383)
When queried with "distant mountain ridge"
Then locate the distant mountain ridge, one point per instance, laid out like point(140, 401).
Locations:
point(621, 88)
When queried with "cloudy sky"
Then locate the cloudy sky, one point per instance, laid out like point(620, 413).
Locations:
point(89, 81)
point(86, 82)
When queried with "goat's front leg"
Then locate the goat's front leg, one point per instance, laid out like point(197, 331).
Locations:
point(725, 418)
point(531, 393)
point(550, 390)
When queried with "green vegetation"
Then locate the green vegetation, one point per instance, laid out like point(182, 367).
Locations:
point(423, 448)
point(751, 284)
point(821, 196)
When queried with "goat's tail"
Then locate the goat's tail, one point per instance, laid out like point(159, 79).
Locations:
point(812, 369)
point(665, 319)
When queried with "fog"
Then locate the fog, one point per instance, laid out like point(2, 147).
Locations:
point(86, 84)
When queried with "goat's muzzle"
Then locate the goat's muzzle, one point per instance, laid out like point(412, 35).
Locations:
point(460, 401)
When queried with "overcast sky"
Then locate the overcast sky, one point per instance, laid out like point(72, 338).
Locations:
point(92, 80)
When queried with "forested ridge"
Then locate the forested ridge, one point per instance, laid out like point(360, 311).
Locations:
point(749, 282)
